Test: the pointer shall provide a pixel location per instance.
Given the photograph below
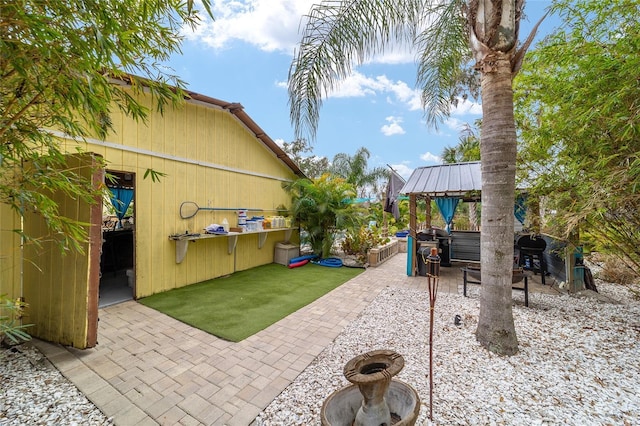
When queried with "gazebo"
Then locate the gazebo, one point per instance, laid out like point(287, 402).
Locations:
point(447, 184)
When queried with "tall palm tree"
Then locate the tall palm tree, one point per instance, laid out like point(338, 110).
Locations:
point(354, 169)
point(341, 34)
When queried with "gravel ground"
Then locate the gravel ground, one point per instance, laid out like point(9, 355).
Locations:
point(33, 392)
point(577, 365)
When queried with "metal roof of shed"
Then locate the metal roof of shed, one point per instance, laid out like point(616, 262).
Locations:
point(445, 180)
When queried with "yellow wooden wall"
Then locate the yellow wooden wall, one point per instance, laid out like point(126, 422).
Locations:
point(9, 252)
point(62, 289)
point(166, 143)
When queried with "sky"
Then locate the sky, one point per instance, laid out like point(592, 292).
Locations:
point(244, 56)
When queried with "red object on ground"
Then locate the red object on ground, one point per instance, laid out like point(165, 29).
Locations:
point(296, 264)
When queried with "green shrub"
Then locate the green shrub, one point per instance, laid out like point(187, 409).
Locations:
point(358, 242)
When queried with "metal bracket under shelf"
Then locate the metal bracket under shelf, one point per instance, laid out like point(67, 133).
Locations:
point(182, 241)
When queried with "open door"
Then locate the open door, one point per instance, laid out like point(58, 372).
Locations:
point(62, 288)
point(117, 264)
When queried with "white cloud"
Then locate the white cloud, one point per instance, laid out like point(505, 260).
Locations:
point(357, 85)
point(465, 106)
point(394, 127)
point(360, 85)
point(455, 124)
point(402, 92)
point(403, 170)
point(430, 158)
point(270, 25)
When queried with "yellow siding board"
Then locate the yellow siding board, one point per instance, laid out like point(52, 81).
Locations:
point(158, 233)
point(212, 136)
point(190, 142)
point(168, 218)
point(117, 121)
point(144, 231)
point(56, 286)
point(144, 137)
point(9, 252)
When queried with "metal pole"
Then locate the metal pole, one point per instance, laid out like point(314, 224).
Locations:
point(433, 278)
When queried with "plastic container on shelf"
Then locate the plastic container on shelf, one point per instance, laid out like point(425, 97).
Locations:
point(242, 217)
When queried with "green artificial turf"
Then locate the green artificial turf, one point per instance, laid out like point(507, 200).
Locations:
point(240, 305)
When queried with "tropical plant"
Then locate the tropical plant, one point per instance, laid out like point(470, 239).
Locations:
point(11, 312)
point(338, 35)
point(579, 117)
point(354, 169)
point(58, 62)
point(359, 241)
point(321, 206)
point(376, 214)
point(468, 146)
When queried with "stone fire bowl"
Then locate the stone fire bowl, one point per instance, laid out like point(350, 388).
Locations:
point(341, 407)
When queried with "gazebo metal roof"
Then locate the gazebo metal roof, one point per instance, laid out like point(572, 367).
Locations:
point(462, 180)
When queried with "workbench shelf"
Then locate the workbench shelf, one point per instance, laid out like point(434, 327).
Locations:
point(182, 240)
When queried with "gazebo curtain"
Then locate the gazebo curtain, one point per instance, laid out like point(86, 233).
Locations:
point(447, 207)
point(120, 199)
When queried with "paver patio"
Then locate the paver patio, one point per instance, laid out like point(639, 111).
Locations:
point(151, 369)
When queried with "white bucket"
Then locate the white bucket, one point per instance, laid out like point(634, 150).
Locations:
point(242, 217)
point(131, 277)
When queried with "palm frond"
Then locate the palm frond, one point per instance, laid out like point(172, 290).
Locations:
point(337, 36)
point(444, 48)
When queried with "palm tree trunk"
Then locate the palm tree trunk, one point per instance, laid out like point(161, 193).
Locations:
point(473, 217)
point(496, 330)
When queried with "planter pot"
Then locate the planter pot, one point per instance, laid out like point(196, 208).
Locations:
point(474, 272)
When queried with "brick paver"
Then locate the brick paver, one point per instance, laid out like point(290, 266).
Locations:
point(151, 369)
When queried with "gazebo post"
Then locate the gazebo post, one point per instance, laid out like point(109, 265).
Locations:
point(412, 230)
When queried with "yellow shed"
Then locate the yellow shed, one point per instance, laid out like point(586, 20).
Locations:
point(215, 161)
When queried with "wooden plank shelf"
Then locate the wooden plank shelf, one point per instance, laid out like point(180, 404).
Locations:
point(182, 240)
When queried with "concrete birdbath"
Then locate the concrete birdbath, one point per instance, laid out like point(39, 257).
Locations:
point(374, 398)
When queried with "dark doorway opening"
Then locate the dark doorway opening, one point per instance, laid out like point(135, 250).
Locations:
point(117, 261)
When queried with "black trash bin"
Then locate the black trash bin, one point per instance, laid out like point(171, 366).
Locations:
point(422, 253)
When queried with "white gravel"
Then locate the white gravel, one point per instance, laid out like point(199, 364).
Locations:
point(578, 365)
point(33, 392)
point(578, 362)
